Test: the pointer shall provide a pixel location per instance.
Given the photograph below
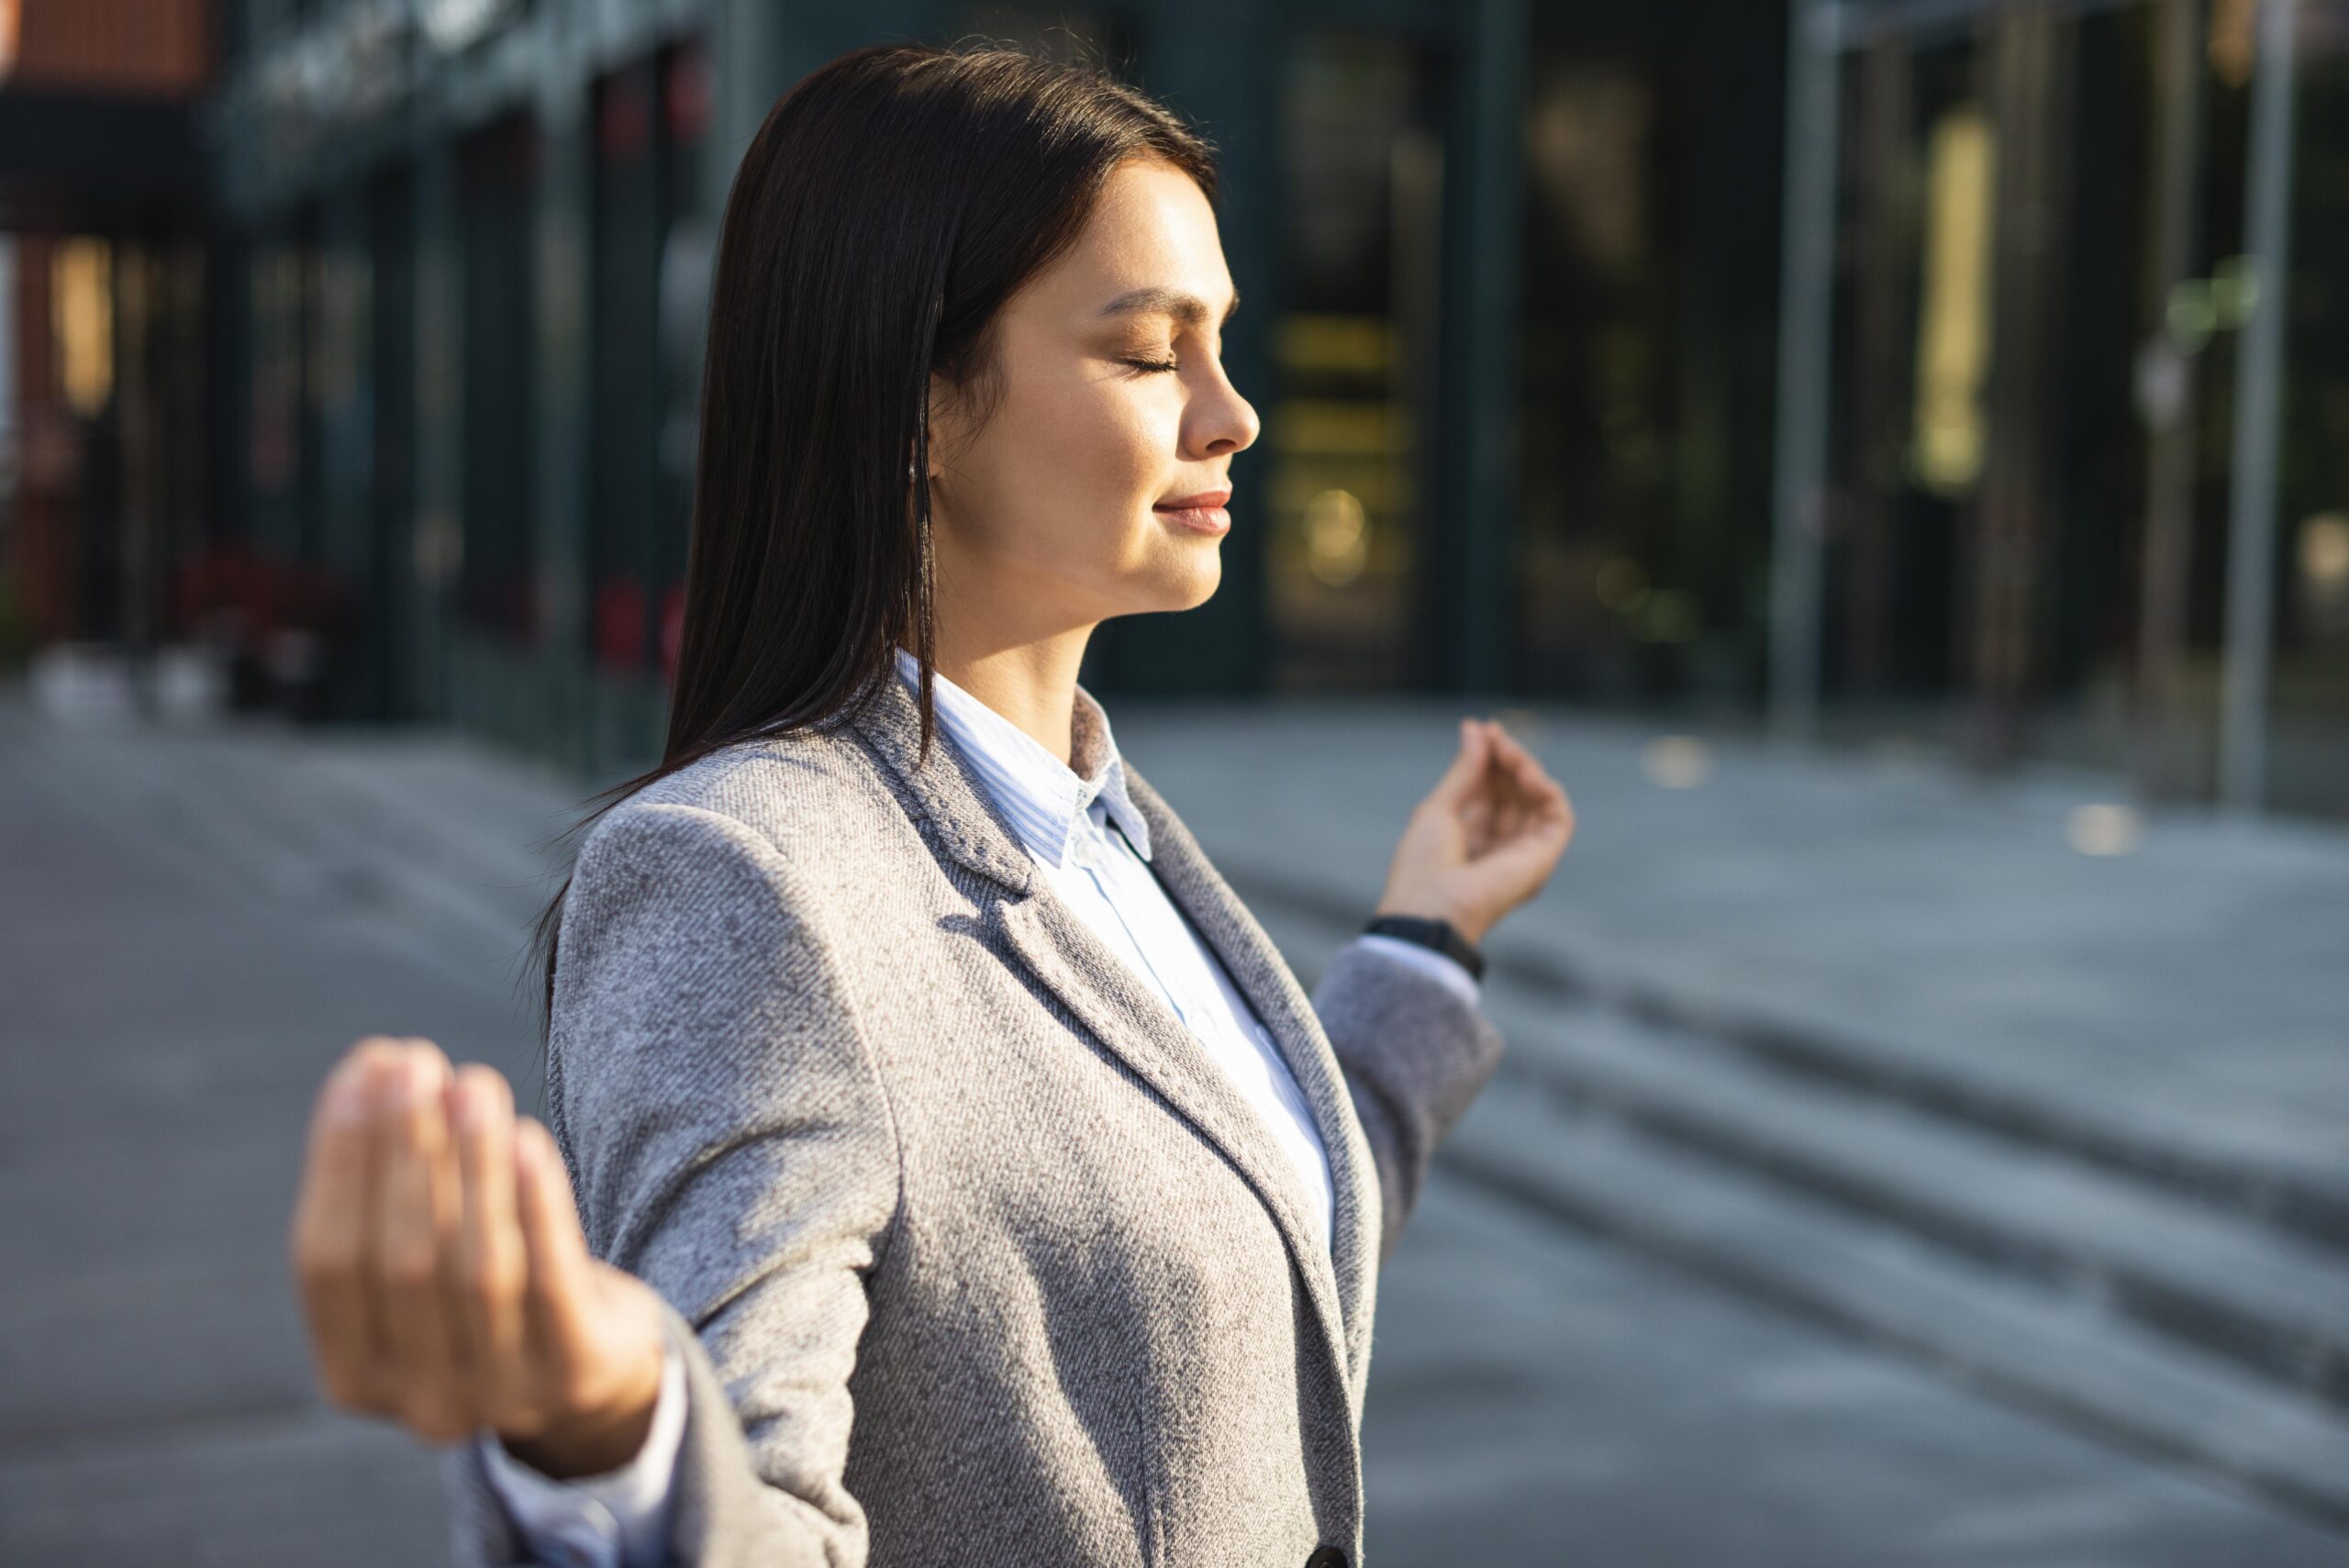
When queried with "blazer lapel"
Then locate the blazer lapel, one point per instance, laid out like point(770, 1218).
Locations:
point(962, 824)
point(1265, 977)
point(1133, 1021)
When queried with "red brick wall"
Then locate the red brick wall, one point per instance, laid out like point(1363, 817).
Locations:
point(126, 46)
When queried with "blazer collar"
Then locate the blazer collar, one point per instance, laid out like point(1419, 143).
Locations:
point(950, 808)
point(1043, 797)
point(963, 823)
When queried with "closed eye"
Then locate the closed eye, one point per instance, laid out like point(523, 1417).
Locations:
point(1155, 364)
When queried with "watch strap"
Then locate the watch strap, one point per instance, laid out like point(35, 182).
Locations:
point(1429, 932)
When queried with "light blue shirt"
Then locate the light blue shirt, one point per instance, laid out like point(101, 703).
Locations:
point(1093, 848)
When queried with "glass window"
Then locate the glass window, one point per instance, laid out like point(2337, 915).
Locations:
point(1354, 360)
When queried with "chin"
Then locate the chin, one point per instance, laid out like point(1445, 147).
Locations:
point(1175, 574)
point(1179, 588)
point(1204, 582)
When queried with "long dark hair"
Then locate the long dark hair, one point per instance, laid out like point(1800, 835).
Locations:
point(891, 203)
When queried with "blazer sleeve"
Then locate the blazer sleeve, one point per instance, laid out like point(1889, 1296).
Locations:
point(730, 1143)
point(1415, 1053)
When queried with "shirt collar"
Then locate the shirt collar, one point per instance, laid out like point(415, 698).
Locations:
point(1043, 798)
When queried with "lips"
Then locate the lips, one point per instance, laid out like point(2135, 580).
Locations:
point(1203, 500)
point(1202, 513)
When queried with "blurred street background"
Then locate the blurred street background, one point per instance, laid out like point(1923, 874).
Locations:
point(1889, 458)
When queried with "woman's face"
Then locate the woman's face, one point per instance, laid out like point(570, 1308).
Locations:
point(1111, 403)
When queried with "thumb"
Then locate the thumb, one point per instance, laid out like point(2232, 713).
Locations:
point(1467, 766)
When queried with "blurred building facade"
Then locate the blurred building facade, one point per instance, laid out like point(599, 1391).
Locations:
point(1872, 367)
point(2062, 394)
point(105, 228)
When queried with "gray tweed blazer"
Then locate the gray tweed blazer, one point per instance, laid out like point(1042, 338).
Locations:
point(975, 1255)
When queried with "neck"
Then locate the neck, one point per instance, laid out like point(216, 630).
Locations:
point(1032, 684)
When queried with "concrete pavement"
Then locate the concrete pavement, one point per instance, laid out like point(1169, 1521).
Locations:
point(2189, 998)
point(192, 927)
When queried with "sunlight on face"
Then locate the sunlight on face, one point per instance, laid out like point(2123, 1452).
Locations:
point(1044, 517)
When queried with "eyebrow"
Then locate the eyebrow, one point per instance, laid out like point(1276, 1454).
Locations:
point(1187, 308)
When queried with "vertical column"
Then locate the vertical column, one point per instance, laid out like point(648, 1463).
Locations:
point(561, 671)
point(2166, 381)
point(1807, 289)
point(227, 363)
point(133, 416)
point(439, 432)
point(2006, 534)
point(1471, 612)
point(346, 446)
point(2251, 514)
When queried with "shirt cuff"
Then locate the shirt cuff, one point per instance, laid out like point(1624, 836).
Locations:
point(616, 1519)
point(1441, 966)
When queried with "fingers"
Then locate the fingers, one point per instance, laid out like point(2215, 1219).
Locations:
point(416, 1221)
point(1488, 805)
point(1541, 800)
point(1468, 767)
point(331, 1219)
point(1544, 820)
point(557, 1299)
point(1477, 815)
point(1510, 753)
point(1508, 787)
point(493, 1269)
point(1467, 789)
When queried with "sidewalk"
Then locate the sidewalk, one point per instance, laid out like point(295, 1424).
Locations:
point(2183, 1009)
point(163, 1033)
point(192, 925)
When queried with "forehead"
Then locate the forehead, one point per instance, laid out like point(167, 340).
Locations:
point(1150, 241)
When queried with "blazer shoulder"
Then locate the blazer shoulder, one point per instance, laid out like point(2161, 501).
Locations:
point(808, 795)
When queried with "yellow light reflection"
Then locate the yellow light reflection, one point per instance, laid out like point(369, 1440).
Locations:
point(1676, 761)
point(1329, 427)
point(1954, 325)
point(2233, 40)
point(1354, 344)
point(82, 317)
point(2324, 552)
point(2101, 829)
point(1336, 536)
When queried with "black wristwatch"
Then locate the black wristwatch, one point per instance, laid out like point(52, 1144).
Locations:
point(1440, 935)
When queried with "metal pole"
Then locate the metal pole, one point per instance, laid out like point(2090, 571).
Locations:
point(2166, 397)
point(1806, 285)
point(1492, 174)
point(2251, 552)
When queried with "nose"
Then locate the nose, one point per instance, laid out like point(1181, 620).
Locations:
point(1224, 422)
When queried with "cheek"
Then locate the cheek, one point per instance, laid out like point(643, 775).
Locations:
point(1104, 435)
point(1091, 460)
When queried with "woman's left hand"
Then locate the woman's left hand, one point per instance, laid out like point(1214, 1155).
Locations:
point(1486, 837)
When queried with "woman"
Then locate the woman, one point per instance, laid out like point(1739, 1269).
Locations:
point(940, 1163)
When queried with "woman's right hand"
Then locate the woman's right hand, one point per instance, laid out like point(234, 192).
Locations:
point(443, 1275)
